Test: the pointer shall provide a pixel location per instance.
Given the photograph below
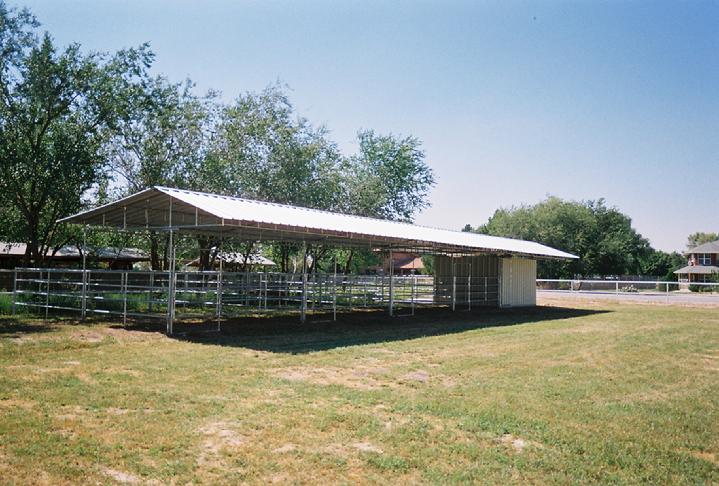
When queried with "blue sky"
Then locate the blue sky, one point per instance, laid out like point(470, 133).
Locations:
point(513, 100)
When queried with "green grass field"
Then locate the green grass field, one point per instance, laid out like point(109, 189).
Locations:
point(598, 394)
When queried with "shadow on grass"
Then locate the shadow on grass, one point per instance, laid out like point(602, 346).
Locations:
point(13, 327)
point(287, 335)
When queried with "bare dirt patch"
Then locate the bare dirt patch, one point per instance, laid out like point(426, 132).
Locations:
point(285, 449)
point(359, 377)
point(420, 376)
point(517, 444)
point(219, 436)
point(367, 447)
point(706, 456)
point(122, 477)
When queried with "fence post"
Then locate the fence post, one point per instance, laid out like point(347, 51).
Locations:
point(454, 292)
point(171, 287)
point(485, 289)
point(334, 290)
point(391, 284)
point(47, 296)
point(123, 286)
point(414, 287)
point(469, 287)
point(219, 289)
point(152, 291)
point(266, 281)
point(616, 288)
point(303, 304)
point(14, 290)
point(83, 312)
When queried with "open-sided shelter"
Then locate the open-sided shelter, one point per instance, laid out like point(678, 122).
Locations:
point(501, 268)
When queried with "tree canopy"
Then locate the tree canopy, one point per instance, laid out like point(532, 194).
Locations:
point(601, 236)
point(56, 110)
point(79, 129)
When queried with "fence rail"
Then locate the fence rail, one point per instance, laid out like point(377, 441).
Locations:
point(625, 286)
point(216, 295)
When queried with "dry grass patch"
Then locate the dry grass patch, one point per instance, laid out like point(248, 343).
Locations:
point(601, 394)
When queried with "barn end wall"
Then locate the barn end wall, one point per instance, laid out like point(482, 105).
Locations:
point(517, 282)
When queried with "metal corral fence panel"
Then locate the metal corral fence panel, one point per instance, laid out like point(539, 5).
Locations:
point(624, 286)
point(217, 295)
point(470, 280)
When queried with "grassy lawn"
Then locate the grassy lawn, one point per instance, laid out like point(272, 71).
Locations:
point(598, 394)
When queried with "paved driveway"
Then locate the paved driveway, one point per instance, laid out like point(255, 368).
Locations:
point(681, 298)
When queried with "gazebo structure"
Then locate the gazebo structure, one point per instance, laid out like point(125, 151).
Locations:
point(470, 269)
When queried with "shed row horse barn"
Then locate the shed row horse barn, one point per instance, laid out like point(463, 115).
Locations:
point(470, 269)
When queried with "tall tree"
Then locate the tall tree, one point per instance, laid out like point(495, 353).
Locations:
point(601, 236)
point(56, 109)
point(388, 178)
point(164, 140)
point(269, 153)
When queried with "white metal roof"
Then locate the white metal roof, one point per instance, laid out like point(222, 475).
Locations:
point(163, 207)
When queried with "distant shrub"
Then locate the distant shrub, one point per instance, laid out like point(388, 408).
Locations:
point(702, 288)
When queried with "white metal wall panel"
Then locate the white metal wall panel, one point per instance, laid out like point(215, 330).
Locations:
point(518, 282)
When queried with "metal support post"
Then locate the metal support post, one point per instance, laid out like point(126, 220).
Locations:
point(469, 292)
point(47, 296)
point(303, 305)
point(334, 291)
point(454, 286)
point(267, 280)
point(469, 287)
point(14, 291)
point(349, 286)
point(150, 296)
point(454, 293)
point(171, 287)
point(83, 312)
point(485, 288)
point(616, 288)
point(391, 284)
point(414, 287)
point(123, 284)
point(219, 289)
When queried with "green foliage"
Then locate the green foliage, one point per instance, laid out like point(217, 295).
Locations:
point(81, 129)
point(264, 151)
point(388, 177)
point(699, 238)
point(602, 237)
point(662, 264)
point(56, 109)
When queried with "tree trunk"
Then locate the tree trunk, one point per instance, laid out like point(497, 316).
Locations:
point(349, 262)
point(207, 256)
point(154, 252)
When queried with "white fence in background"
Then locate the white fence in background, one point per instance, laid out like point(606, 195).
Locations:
point(625, 287)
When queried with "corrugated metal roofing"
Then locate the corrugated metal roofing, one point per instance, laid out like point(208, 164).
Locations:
point(262, 220)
